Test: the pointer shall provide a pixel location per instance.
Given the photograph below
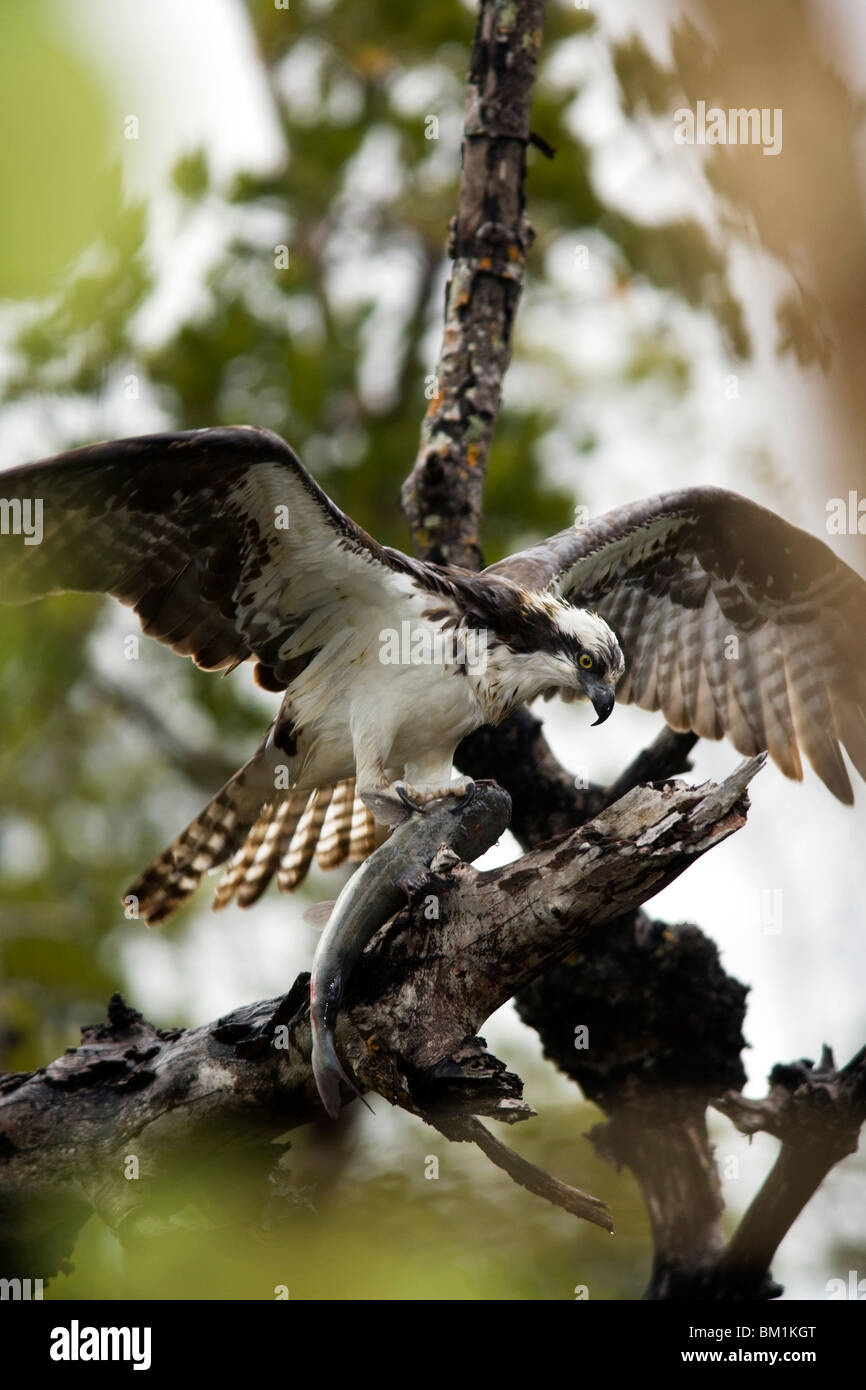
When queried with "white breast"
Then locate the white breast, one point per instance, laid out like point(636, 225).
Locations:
point(384, 678)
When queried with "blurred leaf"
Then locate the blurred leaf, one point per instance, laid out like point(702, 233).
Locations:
point(190, 175)
point(641, 78)
point(55, 170)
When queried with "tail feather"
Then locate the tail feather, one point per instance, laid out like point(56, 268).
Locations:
point(365, 834)
point(295, 865)
point(284, 822)
point(336, 833)
point(242, 861)
point(278, 838)
point(207, 841)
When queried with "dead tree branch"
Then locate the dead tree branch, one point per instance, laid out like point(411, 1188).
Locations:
point(657, 1126)
point(663, 1037)
point(817, 1112)
point(408, 1031)
point(489, 240)
point(526, 1174)
point(650, 1027)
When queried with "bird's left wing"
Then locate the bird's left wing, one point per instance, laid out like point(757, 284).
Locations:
point(732, 622)
point(219, 539)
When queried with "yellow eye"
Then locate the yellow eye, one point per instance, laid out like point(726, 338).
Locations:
point(585, 660)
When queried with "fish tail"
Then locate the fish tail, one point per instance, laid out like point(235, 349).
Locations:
point(328, 1070)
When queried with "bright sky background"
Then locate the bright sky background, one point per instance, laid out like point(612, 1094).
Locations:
point(187, 71)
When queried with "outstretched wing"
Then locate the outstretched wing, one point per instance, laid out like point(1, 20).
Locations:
point(219, 540)
point(732, 623)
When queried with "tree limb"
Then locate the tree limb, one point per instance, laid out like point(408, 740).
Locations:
point(408, 1029)
point(526, 1174)
point(490, 238)
point(650, 1027)
point(818, 1113)
point(546, 799)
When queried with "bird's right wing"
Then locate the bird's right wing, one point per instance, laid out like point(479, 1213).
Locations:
point(219, 539)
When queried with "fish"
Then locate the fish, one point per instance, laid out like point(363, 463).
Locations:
point(383, 884)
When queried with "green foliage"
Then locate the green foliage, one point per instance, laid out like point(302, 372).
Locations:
point(389, 1234)
point(190, 175)
point(641, 79)
point(84, 332)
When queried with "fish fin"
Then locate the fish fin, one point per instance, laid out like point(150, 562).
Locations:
point(318, 914)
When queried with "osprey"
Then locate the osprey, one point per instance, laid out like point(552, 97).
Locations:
point(732, 623)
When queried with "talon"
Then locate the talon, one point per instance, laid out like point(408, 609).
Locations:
point(402, 792)
point(395, 804)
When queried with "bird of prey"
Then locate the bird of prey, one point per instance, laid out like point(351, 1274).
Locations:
point(698, 603)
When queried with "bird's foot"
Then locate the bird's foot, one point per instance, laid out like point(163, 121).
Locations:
point(419, 798)
point(395, 804)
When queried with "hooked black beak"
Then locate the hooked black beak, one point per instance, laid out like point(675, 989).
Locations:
point(603, 700)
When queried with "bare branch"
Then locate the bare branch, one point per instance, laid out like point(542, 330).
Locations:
point(818, 1113)
point(667, 756)
point(547, 800)
point(534, 1179)
point(490, 238)
point(408, 1029)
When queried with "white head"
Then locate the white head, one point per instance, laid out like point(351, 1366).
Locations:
point(553, 645)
